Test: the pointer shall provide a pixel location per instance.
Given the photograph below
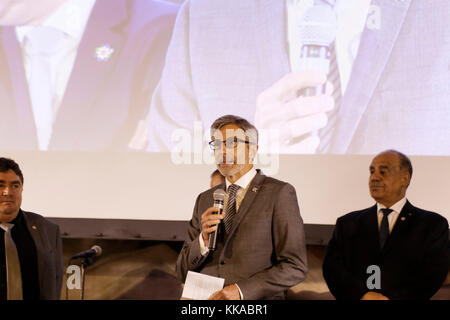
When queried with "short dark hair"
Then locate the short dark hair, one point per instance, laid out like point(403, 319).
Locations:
point(405, 163)
point(9, 164)
point(232, 119)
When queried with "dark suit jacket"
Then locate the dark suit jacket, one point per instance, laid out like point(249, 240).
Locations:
point(47, 238)
point(414, 261)
point(264, 253)
point(104, 100)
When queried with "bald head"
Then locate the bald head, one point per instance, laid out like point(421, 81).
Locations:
point(390, 174)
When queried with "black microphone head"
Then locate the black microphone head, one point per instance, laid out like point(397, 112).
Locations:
point(98, 250)
point(319, 26)
point(219, 195)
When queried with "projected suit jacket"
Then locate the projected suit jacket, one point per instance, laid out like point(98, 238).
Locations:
point(104, 100)
point(47, 239)
point(413, 263)
point(223, 55)
point(264, 253)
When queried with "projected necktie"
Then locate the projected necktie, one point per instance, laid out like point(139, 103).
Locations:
point(326, 133)
point(13, 274)
point(41, 43)
point(231, 207)
point(384, 228)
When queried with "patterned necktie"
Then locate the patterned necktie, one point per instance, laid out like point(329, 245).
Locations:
point(326, 133)
point(384, 228)
point(231, 207)
point(13, 274)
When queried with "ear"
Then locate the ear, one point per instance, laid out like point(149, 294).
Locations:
point(406, 178)
point(253, 149)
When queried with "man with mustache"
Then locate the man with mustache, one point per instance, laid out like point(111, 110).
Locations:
point(409, 246)
point(31, 263)
point(261, 244)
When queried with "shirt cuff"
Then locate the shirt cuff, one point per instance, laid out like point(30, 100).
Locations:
point(203, 249)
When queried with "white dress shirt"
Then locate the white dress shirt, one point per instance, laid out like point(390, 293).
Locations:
point(351, 18)
point(70, 19)
point(392, 217)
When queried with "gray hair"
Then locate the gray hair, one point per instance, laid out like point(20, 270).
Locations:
point(249, 129)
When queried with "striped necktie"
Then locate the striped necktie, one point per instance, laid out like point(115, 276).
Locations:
point(231, 207)
point(13, 273)
point(326, 133)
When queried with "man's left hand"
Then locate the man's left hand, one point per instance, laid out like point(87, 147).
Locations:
point(227, 293)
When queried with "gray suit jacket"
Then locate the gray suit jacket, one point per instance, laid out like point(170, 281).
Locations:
point(47, 238)
point(224, 53)
point(264, 253)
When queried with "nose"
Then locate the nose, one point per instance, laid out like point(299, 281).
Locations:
point(6, 191)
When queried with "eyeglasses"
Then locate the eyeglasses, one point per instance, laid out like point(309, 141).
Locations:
point(230, 143)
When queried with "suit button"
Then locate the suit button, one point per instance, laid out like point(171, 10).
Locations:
point(222, 262)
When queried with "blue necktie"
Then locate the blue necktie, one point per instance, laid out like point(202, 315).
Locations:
point(384, 228)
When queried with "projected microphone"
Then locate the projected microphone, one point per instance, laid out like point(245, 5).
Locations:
point(317, 32)
point(219, 197)
point(95, 251)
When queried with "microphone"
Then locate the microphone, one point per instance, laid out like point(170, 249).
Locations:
point(95, 251)
point(317, 32)
point(219, 197)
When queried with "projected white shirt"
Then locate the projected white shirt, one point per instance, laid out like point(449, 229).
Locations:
point(70, 19)
point(351, 18)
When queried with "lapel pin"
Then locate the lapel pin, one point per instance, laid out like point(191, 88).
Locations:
point(104, 52)
point(403, 218)
point(33, 227)
point(255, 189)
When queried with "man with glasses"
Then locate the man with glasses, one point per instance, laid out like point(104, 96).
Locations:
point(260, 248)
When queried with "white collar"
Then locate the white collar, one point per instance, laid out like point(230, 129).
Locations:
point(243, 181)
point(397, 207)
point(71, 18)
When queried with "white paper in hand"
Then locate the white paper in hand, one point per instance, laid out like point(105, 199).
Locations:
point(201, 286)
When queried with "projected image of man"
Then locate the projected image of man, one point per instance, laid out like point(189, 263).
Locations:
point(79, 75)
point(256, 60)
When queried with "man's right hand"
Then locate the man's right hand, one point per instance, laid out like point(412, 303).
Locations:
point(372, 295)
point(279, 108)
point(210, 220)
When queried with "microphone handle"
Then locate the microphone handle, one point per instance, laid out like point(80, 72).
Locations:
point(212, 239)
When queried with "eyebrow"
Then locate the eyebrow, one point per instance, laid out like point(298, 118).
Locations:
point(11, 182)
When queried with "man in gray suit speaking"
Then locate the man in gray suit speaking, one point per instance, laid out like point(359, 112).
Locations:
point(260, 248)
point(31, 264)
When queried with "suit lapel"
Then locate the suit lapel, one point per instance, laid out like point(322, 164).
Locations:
point(369, 229)
point(401, 225)
point(270, 23)
point(373, 54)
point(39, 241)
point(89, 73)
point(250, 196)
point(19, 86)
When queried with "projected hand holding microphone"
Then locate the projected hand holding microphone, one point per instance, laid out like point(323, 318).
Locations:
point(297, 105)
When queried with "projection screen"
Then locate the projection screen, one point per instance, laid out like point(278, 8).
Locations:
point(106, 105)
